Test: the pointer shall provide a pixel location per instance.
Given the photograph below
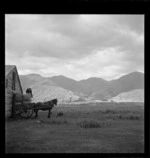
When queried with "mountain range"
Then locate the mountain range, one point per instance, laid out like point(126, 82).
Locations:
point(136, 95)
point(67, 89)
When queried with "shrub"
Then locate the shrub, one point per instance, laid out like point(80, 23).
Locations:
point(120, 117)
point(58, 122)
point(92, 124)
point(128, 117)
point(54, 121)
point(110, 112)
point(133, 117)
point(60, 114)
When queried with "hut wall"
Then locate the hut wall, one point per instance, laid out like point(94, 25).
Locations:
point(8, 94)
point(17, 83)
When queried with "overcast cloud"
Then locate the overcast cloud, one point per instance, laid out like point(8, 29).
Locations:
point(76, 46)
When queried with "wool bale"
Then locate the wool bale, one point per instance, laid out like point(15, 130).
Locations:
point(18, 97)
point(26, 97)
point(27, 102)
point(18, 103)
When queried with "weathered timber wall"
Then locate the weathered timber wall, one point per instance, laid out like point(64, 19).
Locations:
point(9, 94)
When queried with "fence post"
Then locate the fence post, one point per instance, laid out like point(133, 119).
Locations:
point(13, 106)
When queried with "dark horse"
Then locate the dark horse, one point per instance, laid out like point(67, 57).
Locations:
point(45, 106)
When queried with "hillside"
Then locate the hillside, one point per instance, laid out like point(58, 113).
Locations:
point(125, 83)
point(66, 83)
point(46, 93)
point(134, 80)
point(45, 89)
point(93, 88)
point(93, 84)
point(31, 79)
point(132, 96)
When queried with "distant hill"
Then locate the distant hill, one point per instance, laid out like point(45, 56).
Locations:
point(45, 89)
point(134, 80)
point(132, 96)
point(93, 84)
point(66, 83)
point(125, 83)
point(46, 93)
point(93, 88)
point(31, 79)
point(86, 87)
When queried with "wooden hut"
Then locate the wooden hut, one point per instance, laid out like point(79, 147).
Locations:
point(12, 82)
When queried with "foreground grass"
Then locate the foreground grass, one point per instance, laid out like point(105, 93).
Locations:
point(79, 129)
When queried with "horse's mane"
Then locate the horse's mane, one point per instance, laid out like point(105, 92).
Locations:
point(54, 101)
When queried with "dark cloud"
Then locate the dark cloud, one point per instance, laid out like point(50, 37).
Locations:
point(134, 22)
point(51, 39)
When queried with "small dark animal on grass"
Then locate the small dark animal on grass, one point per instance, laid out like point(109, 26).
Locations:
point(45, 106)
point(60, 114)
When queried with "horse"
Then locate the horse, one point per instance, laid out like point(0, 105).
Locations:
point(45, 106)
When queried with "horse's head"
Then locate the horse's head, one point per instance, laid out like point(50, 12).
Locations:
point(54, 101)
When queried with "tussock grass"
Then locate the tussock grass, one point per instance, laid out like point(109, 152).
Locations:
point(129, 117)
point(54, 121)
point(59, 121)
point(97, 128)
point(119, 114)
point(93, 124)
point(60, 114)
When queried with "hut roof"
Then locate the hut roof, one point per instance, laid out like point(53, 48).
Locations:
point(8, 68)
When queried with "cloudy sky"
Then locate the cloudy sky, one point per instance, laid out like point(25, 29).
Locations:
point(76, 46)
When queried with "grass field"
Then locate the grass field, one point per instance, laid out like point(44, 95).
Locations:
point(86, 128)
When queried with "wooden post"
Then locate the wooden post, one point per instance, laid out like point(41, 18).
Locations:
point(13, 97)
point(13, 106)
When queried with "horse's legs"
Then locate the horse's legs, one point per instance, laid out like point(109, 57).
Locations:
point(36, 111)
point(49, 113)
